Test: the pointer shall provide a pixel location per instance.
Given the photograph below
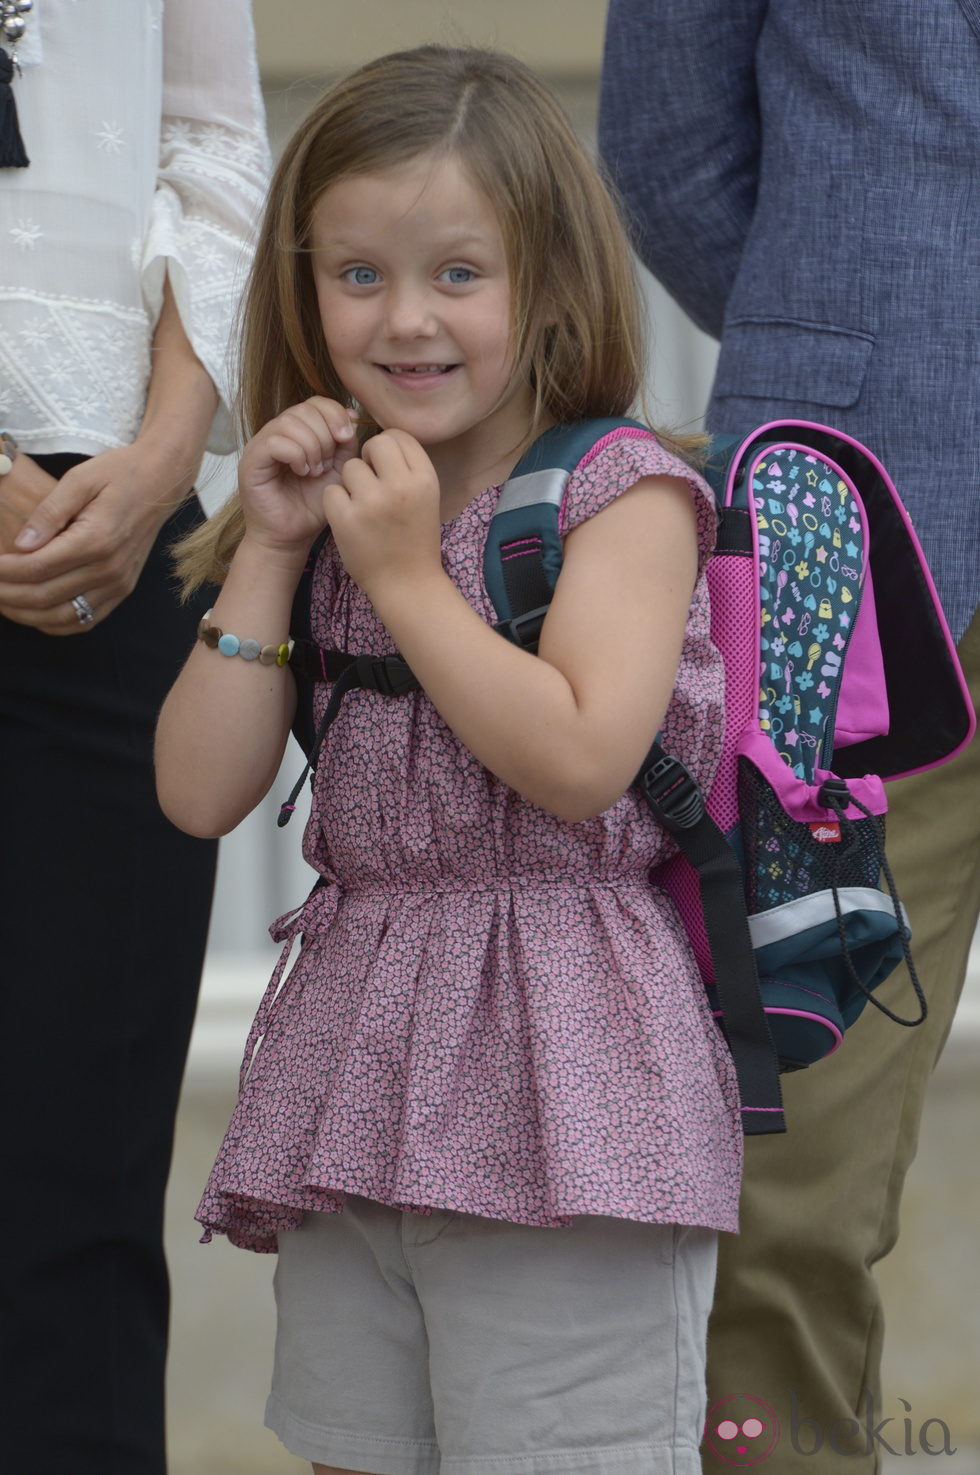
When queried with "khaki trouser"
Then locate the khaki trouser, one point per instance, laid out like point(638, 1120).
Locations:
point(797, 1319)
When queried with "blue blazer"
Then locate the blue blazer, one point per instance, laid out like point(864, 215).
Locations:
point(804, 178)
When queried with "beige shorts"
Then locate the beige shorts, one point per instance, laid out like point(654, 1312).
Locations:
point(455, 1345)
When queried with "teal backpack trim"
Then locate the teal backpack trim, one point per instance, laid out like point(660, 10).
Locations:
point(523, 553)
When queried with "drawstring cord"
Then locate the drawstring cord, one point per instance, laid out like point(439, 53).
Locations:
point(314, 915)
point(839, 802)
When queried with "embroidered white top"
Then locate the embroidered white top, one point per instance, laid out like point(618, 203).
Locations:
point(145, 129)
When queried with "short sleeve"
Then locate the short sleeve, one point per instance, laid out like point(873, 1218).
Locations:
point(694, 720)
point(617, 463)
point(213, 171)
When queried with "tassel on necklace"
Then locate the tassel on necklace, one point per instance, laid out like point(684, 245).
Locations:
point(12, 152)
point(13, 155)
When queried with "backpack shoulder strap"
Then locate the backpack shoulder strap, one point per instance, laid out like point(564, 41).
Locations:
point(523, 554)
point(301, 631)
point(522, 561)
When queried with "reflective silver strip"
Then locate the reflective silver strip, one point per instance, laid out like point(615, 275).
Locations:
point(547, 485)
point(794, 917)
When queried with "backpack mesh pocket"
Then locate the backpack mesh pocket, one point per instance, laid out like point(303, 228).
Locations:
point(784, 859)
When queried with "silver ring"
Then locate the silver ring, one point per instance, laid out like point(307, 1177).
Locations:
point(82, 608)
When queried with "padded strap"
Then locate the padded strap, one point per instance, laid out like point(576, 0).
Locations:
point(522, 556)
point(678, 804)
point(301, 629)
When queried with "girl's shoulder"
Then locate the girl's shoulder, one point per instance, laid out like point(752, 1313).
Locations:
point(617, 463)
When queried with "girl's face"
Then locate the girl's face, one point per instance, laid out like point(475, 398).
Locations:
point(417, 310)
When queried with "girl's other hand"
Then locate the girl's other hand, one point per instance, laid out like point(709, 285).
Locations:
point(285, 468)
point(384, 512)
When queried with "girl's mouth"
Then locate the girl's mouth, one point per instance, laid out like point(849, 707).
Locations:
point(417, 369)
point(418, 378)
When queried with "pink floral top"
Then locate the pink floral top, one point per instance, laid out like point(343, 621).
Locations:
point(493, 1010)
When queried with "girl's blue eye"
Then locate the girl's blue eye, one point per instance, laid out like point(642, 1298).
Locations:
point(459, 275)
point(362, 276)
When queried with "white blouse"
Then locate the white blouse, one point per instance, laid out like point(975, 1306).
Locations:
point(145, 129)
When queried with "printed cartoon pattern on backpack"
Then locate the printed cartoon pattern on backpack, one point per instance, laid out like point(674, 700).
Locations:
point(812, 561)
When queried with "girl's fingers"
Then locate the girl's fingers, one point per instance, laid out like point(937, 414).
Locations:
point(336, 418)
point(319, 429)
point(331, 424)
point(391, 451)
point(358, 476)
point(394, 458)
point(336, 503)
point(299, 451)
point(310, 433)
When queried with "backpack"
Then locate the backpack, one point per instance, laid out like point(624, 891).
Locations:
point(839, 673)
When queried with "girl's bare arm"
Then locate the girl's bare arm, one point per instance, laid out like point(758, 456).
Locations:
point(223, 728)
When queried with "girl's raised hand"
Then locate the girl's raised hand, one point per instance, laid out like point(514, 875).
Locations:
point(285, 468)
point(384, 512)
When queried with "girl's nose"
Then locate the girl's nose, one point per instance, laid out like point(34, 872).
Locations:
point(409, 312)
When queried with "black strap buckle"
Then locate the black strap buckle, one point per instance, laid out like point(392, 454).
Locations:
point(389, 675)
point(524, 630)
point(672, 793)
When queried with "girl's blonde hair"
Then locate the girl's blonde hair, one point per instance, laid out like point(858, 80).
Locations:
point(578, 334)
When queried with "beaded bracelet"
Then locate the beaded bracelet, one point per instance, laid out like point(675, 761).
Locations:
point(249, 650)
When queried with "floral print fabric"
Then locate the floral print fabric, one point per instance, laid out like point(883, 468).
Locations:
point(492, 1010)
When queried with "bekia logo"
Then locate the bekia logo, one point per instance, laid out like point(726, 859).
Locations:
point(743, 1430)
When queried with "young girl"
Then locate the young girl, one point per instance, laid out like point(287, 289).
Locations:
point(491, 1126)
